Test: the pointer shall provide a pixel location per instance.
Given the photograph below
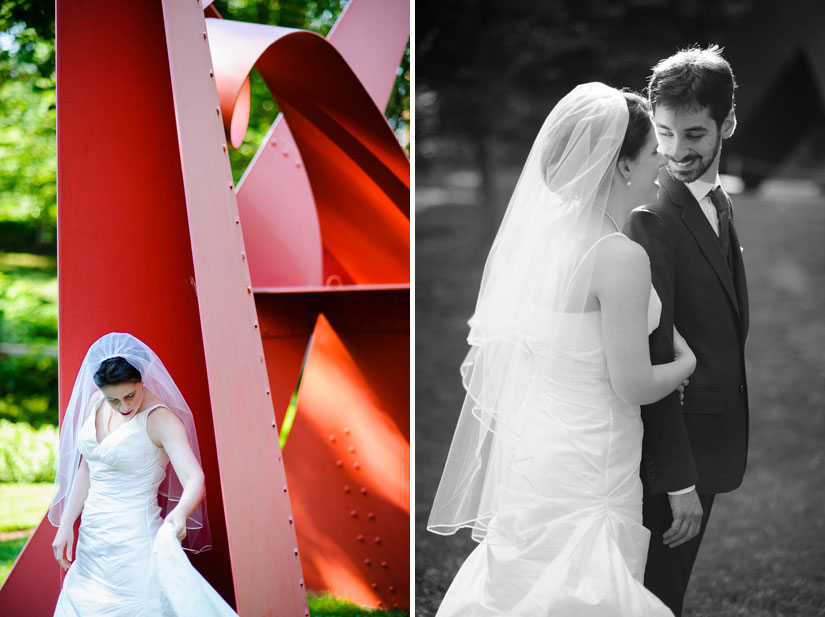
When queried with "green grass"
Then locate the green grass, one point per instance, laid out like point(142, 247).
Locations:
point(22, 506)
point(327, 605)
point(9, 550)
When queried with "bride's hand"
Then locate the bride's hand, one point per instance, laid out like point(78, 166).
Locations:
point(681, 350)
point(178, 522)
point(63, 541)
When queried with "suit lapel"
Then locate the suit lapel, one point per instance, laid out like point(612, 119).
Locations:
point(694, 219)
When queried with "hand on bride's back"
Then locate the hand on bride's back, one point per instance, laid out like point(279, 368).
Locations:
point(682, 351)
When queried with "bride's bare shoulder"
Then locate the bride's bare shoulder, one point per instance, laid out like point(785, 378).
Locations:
point(621, 260)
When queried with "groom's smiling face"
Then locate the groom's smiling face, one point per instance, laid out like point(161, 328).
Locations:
point(690, 141)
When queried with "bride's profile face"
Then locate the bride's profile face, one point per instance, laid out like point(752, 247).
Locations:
point(645, 170)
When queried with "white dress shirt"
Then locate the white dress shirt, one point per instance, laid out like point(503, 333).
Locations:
point(701, 189)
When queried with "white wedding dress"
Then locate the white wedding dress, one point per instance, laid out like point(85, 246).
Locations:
point(568, 540)
point(127, 562)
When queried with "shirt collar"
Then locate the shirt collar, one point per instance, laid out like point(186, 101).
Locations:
point(700, 188)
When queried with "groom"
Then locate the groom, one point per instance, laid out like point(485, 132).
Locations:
point(695, 449)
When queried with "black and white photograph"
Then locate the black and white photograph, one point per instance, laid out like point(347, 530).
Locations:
point(619, 214)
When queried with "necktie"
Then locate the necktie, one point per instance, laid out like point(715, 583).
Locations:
point(723, 210)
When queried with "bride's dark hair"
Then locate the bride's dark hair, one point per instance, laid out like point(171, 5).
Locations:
point(115, 371)
point(638, 125)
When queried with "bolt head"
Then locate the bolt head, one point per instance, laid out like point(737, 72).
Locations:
point(346, 488)
point(391, 588)
point(370, 515)
point(346, 430)
point(339, 462)
point(377, 539)
point(357, 465)
point(383, 564)
point(353, 512)
point(332, 438)
point(374, 585)
point(359, 537)
point(367, 561)
point(363, 490)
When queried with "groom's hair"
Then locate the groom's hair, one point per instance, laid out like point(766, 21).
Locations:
point(692, 79)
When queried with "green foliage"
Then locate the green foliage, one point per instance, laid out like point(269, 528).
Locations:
point(22, 505)
point(28, 315)
point(27, 454)
point(28, 306)
point(28, 211)
point(398, 109)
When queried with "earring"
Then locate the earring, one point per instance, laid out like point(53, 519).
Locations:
point(628, 183)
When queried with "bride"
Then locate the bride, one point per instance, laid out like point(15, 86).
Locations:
point(126, 420)
point(544, 464)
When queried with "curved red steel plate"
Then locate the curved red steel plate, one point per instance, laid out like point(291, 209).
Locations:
point(347, 455)
point(358, 172)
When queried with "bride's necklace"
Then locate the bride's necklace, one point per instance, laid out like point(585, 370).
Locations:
point(610, 218)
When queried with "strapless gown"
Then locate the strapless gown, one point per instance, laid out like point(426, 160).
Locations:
point(570, 541)
point(123, 566)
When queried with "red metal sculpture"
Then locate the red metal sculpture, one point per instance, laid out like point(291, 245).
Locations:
point(151, 242)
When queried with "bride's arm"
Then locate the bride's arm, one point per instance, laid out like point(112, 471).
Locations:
point(167, 431)
point(64, 538)
point(622, 283)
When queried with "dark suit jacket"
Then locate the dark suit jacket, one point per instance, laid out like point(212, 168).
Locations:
point(705, 441)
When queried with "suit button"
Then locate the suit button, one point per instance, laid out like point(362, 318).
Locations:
point(741, 389)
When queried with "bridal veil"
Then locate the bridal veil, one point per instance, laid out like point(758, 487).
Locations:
point(526, 290)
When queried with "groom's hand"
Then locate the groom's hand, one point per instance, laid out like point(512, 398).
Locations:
point(687, 519)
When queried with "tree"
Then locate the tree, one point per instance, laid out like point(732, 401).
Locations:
point(489, 72)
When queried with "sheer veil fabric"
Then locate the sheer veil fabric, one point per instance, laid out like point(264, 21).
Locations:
point(158, 380)
point(535, 277)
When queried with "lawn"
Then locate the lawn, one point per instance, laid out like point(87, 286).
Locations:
point(21, 508)
point(764, 551)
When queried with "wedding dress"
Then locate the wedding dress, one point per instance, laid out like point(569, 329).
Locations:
point(127, 562)
point(567, 538)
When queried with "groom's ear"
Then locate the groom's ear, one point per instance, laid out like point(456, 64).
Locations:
point(729, 125)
